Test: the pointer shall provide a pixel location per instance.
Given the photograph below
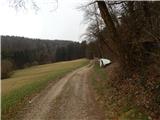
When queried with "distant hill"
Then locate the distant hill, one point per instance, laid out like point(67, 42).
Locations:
point(15, 43)
point(23, 52)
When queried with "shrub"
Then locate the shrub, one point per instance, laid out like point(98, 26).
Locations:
point(35, 63)
point(6, 68)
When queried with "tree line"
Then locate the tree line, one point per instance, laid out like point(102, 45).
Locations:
point(128, 32)
point(21, 52)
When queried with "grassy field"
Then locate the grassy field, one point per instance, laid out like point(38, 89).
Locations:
point(25, 82)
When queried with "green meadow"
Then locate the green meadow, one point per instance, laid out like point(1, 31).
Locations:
point(25, 82)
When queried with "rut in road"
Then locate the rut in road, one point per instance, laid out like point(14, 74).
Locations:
point(69, 99)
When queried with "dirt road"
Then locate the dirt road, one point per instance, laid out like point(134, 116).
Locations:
point(69, 99)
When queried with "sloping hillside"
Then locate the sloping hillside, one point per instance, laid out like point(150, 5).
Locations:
point(20, 52)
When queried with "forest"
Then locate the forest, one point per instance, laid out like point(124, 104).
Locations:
point(128, 33)
point(20, 52)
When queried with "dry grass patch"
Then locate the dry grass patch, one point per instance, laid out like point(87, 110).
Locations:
point(36, 73)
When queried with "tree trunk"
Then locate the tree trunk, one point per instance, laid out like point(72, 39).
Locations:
point(108, 20)
point(110, 26)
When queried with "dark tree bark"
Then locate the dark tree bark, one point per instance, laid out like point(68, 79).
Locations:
point(108, 20)
point(111, 27)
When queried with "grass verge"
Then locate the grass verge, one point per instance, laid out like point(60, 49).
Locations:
point(117, 106)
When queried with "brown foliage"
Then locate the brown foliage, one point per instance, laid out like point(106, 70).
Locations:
point(119, 96)
point(6, 68)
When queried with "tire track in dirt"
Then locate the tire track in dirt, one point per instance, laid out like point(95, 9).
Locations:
point(69, 99)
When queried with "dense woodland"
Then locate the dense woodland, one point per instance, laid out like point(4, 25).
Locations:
point(20, 52)
point(128, 33)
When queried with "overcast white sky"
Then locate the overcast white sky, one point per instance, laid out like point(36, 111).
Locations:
point(64, 23)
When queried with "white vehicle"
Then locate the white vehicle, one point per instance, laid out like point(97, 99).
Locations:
point(103, 62)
